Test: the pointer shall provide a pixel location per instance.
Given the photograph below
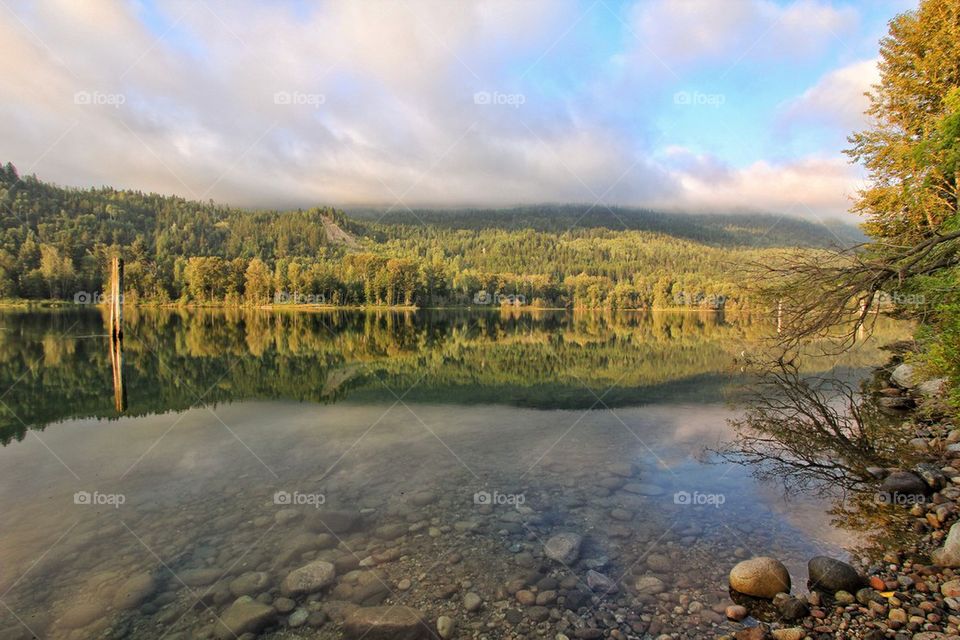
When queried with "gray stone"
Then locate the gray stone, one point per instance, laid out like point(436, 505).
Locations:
point(472, 602)
point(243, 616)
point(903, 376)
point(563, 548)
point(904, 483)
point(934, 388)
point(134, 591)
point(445, 627)
point(829, 575)
point(601, 583)
point(309, 578)
point(250, 584)
point(386, 623)
point(649, 585)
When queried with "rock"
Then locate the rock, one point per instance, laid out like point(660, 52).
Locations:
point(79, 616)
point(844, 597)
point(243, 616)
point(761, 577)
point(791, 608)
point(199, 577)
point(563, 548)
point(134, 591)
point(829, 575)
point(949, 554)
point(950, 589)
point(576, 598)
point(250, 584)
point(649, 585)
point(298, 618)
point(896, 402)
point(752, 633)
point(660, 563)
point(934, 388)
point(472, 602)
point(309, 578)
point(736, 612)
point(284, 605)
point(386, 623)
point(332, 521)
point(445, 627)
point(903, 483)
point(932, 475)
point(601, 583)
point(793, 633)
point(903, 376)
point(526, 598)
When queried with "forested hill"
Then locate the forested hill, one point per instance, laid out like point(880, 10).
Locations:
point(720, 229)
point(55, 242)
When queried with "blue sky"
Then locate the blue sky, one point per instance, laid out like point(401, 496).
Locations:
point(691, 104)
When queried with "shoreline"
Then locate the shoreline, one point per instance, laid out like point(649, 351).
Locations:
point(61, 304)
point(913, 591)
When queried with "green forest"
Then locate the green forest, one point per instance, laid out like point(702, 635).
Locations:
point(55, 244)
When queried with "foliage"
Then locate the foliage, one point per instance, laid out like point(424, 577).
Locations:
point(56, 242)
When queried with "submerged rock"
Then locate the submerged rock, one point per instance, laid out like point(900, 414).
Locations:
point(386, 623)
point(649, 585)
point(563, 547)
point(134, 591)
point(309, 578)
point(243, 616)
point(829, 575)
point(761, 577)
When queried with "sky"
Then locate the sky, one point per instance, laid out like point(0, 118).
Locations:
point(707, 105)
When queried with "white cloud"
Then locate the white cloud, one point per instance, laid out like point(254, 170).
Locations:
point(676, 33)
point(381, 101)
point(837, 99)
point(811, 186)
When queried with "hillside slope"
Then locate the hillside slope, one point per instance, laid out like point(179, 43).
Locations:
point(55, 243)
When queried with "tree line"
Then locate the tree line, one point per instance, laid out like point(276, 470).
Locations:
point(55, 243)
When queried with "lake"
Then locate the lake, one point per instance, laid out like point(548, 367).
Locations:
point(425, 456)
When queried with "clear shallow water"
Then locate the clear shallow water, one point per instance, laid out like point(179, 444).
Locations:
point(459, 443)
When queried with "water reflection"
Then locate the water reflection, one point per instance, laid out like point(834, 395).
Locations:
point(152, 523)
point(173, 360)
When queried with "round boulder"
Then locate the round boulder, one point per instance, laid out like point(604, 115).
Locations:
point(760, 577)
point(829, 575)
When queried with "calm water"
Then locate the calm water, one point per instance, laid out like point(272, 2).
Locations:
point(453, 444)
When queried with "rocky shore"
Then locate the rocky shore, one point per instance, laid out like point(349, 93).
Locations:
point(913, 589)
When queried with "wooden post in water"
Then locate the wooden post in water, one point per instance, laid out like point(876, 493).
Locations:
point(116, 363)
point(116, 334)
point(116, 299)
